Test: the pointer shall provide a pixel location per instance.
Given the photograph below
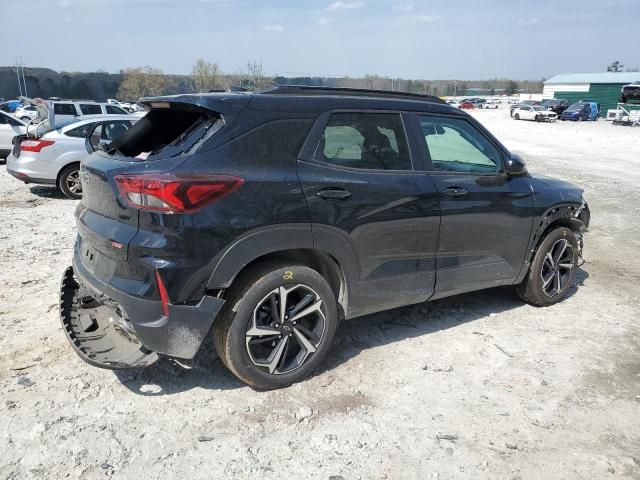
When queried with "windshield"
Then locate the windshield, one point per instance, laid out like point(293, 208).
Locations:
point(576, 107)
point(539, 109)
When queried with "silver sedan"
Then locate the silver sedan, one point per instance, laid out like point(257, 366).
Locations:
point(53, 158)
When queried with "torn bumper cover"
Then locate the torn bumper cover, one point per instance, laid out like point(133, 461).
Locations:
point(111, 329)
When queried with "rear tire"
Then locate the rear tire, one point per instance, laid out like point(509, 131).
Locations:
point(553, 269)
point(69, 182)
point(268, 351)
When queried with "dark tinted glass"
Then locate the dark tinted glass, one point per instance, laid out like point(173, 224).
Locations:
point(89, 109)
point(81, 131)
point(64, 109)
point(372, 141)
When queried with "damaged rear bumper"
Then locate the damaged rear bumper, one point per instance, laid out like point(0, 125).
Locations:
point(111, 329)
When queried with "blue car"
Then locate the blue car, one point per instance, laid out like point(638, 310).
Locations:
point(10, 106)
point(581, 111)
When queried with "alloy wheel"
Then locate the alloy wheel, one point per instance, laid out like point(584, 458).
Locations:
point(557, 268)
point(73, 182)
point(286, 329)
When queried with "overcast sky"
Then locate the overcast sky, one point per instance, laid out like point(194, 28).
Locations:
point(434, 39)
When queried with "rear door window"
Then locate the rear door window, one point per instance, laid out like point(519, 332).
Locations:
point(90, 109)
point(371, 141)
point(455, 145)
point(64, 109)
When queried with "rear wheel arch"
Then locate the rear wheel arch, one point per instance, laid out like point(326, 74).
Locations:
point(325, 264)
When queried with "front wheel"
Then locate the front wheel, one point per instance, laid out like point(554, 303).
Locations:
point(69, 182)
point(517, 116)
point(538, 118)
point(553, 269)
point(277, 325)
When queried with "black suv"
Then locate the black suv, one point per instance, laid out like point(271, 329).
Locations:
point(270, 217)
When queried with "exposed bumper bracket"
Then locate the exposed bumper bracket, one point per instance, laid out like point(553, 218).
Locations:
point(97, 332)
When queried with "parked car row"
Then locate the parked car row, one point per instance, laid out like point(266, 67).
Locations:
point(66, 109)
point(552, 109)
point(469, 103)
point(46, 145)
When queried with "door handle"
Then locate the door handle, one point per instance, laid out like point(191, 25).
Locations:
point(334, 193)
point(453, 192)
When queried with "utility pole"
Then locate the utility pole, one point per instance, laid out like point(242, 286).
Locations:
point(24, 80)
point(18, 74)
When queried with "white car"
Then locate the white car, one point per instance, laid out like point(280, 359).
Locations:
point(488, 104)
point(69, 110)
point(53, 157)
point(130, 107)
point(535, 112)
point(26, 113)
point(9, 128)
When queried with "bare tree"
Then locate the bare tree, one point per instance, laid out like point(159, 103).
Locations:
point(142, 82)
point(206, 76)
point(255, 76)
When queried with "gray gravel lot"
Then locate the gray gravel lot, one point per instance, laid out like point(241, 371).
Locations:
point(475, 386)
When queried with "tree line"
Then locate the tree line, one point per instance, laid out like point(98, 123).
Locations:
point(133, 83)
point(207, 76)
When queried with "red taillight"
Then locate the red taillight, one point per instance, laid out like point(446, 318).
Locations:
point(164, 297)
point(165, 192)
point(34, 145)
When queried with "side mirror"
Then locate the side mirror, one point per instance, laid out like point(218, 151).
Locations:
point(516, 166)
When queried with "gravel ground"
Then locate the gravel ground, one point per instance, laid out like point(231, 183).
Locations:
point(475, 386)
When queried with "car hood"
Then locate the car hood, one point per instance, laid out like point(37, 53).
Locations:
point(564, 190)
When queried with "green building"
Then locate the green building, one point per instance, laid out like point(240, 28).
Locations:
point(603, 88)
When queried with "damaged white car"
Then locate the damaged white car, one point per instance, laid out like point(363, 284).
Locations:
point(535, 112)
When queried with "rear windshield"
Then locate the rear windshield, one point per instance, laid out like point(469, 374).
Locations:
point(166, 133)
point(40, 129)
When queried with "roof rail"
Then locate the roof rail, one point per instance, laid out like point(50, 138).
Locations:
point(347, 92)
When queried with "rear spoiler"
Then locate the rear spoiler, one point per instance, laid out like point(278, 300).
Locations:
point(227, 104)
